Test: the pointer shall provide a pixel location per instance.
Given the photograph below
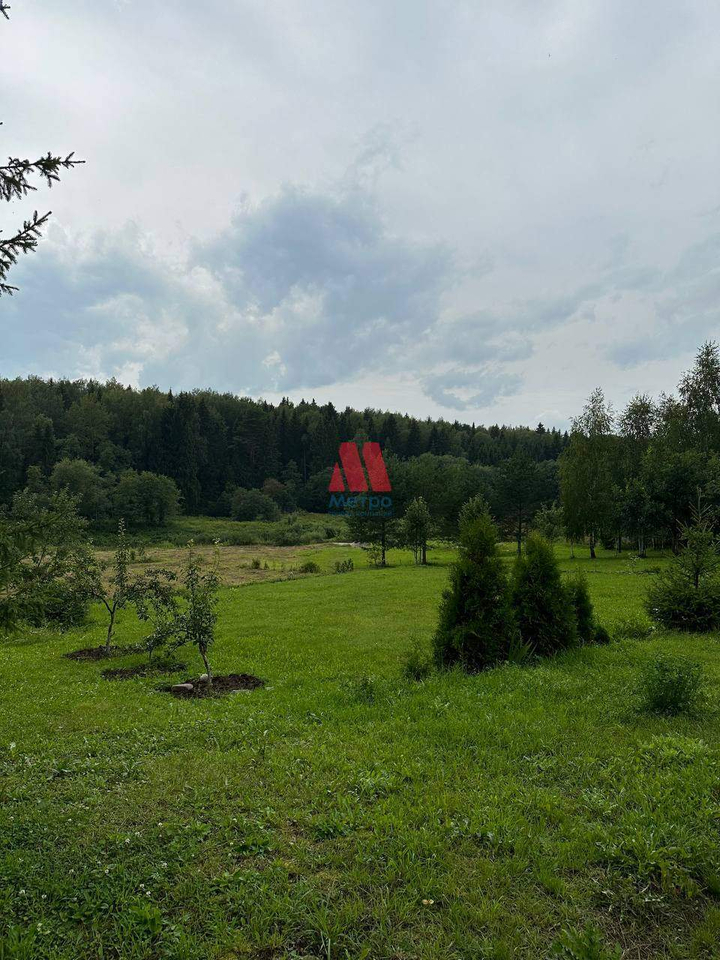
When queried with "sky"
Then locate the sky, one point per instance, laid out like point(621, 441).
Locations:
point(460, 209)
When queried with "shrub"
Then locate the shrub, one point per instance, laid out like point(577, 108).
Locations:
point(59, 603)
point(417, 663)
point(252, 505)
point(309, 567)
point(344, 566)
point(672, 685)
point(579, 594)
point(544, 608)
point(676, 603)
point(686, 596)
point(601, 634)
point(255, 564)
point(633, 628)
point(476, 625)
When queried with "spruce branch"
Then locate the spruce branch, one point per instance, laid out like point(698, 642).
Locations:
point(24, 241)
point(14, 175)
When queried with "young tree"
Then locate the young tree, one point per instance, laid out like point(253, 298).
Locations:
point(155, 600)
point(517, 489)
point(585, 471)
point(543, 606)
point(15, 177)
point(375, 531)
point(476, 627)
point(417, 528)
point(42, 558)
point(549, 522)
point(686, 595)
point(196, 622)
point(114, 591)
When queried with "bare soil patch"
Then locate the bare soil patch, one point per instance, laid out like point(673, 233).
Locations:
point(143, 670)
point(221, 686)
point(99, 653)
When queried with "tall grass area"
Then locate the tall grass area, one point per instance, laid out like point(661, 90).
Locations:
point(290, 530)
point(343, 811)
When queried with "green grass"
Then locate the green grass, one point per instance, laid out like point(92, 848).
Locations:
point(344, 812)
point(290, 530)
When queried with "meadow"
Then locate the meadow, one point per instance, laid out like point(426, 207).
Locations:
point(343, 811)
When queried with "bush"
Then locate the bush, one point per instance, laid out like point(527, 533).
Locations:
point(633, 628)
point(544, 607)
point(252, 505)
point(672, 685)
point(309, 567)
point(579, 594)
point(476, 627)
point(59, 604)
point(417, 663)
point(601, 634)
point(146, 499)
point(344, 566)
point(686, 596)
point(676, 603)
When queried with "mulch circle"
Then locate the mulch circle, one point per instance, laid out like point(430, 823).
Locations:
point(141, 670)
point(99, 653)
point(221, 685)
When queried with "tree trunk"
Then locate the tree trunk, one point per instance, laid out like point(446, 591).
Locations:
point(519, 534)
point(424, 554)
point(592, 546)
point(208, 671)
point(111, 628)
point(641, 545)
point(619, 543)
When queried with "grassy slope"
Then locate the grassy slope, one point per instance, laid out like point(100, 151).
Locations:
point(314, 817)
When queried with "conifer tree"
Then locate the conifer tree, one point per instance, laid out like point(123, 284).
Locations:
point(476, 627)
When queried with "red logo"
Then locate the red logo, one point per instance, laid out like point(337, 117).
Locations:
point(354, 473)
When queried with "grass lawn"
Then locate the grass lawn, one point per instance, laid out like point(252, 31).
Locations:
point(344, 812)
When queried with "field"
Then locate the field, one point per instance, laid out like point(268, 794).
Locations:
point(345, 812)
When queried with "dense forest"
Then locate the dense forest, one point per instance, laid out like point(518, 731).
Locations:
point(621, 479)
point(105, 442)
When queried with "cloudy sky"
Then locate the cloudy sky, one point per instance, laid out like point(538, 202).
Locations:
point(464, 209)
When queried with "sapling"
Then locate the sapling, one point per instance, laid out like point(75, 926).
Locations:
point(155, 601)
point(115, 592)
point(196, 623)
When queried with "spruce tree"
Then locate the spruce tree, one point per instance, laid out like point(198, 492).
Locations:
point(476, 627)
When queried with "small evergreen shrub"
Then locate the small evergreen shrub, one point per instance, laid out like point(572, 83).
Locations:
point(309, 567)
point(676, 603)
point(344, 566)
point(544, 607)
point(686, 596)
point(417, 663)
point(476, 625)
point(579, 595)
point(672, 685)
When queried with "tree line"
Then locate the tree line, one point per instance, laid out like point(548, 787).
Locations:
point(103, 441)
point(632, 478)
